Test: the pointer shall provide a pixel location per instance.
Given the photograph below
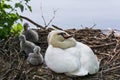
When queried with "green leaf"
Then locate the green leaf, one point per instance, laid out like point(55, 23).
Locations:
point(16, 29)
point(4, 33)
point(20, 6)
point(7, 6)
point(9, 15)
point(29, 7)
point(27, 1)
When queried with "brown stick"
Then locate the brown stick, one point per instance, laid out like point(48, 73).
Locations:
point(108, 44)
point(40, 77)
point(115, 52)
point(54, 12)
point(32, 22)
point(57, 27)
point(42, 15)
point(7, 74)
point(110, 69)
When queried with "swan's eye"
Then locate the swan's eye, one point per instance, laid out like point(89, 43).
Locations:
point(61, 34)
point(65, 35)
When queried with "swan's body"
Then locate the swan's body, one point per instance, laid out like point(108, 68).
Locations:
point(25, 45)
point(30, 35)
point(70, 57)
point(35, 58)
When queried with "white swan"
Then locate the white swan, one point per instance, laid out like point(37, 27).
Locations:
point(35, 58)
point(65, 55)
point(30, 35)
point(25, 45)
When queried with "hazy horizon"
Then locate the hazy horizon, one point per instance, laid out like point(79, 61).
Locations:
point(74, 13)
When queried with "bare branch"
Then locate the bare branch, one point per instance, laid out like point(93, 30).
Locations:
point(115, 52)
point(42, 15)
point(32, 22)
point(110, 69)
point(93, 26)
point(56, 27)
point(41, 8)
point(103, 45)
point(54, 13)
point(82, 26)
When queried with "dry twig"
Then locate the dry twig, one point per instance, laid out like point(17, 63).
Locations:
point(32, 22)
point(56, 27)
point(54, 12)
point(110, 69)
point(103, 45)
point(40, 77)
point(42, 15)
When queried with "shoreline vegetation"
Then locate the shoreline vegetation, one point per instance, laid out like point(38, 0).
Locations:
point(13, 64)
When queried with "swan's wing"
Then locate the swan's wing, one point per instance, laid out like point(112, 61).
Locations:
point(60, 61)
point(88, 59)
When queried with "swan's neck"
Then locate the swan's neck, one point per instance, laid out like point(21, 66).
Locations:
point(63, 44)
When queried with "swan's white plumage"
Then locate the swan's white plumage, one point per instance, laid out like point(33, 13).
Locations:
point(77, 61)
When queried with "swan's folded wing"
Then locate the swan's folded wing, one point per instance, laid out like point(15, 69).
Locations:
point(61, 61)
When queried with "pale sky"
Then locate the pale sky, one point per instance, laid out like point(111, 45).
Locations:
point(74, 13)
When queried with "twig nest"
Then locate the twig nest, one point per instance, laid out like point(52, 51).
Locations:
point(35, 58)
point(30, 34)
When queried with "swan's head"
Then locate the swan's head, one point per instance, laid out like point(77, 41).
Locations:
point(61, 39)
point(22, 38)
point(26, 25)
point(58, 35)
point(37, 49)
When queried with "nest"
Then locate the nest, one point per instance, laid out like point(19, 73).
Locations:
point(13, 64)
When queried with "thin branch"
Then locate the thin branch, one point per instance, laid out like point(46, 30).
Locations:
point(3, 52)
point(56, 27)
point(108, 44)
point(6, 43)
point(115, 52)
point(41, 8)
point(39, 77)
point(54, 13)
point(4, 76)
point(32, 22)
point(42, 15)
point(82, 26)
point(110, 69)
point(93, 26)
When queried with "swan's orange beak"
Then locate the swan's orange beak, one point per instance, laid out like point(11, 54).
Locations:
point(67, 36)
